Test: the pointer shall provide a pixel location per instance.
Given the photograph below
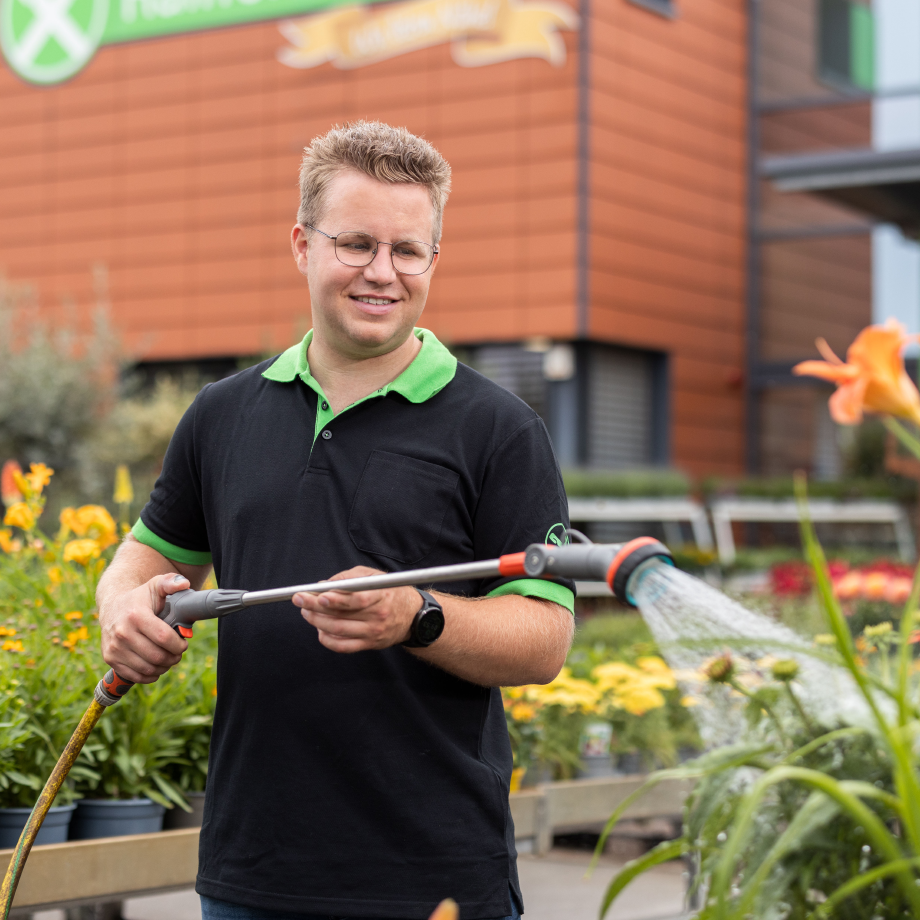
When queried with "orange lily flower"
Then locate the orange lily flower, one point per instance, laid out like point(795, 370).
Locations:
point(873, 378)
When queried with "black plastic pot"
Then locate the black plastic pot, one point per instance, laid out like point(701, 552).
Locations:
point(53, 830)
point(176, 818)
point(115, 818)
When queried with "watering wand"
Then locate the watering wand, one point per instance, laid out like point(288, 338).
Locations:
point(614, 563)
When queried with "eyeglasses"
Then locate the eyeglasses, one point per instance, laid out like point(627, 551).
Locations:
point(357, 249)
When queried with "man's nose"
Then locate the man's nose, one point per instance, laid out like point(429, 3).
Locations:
point(380, 269)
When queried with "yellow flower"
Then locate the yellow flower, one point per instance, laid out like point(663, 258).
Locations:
point(91, 521)
point(7, 544)
point(878, 630)
point(825, 639)
point(517, 775)
point(38, 477)
point(638, 700)
point(81, 551)
point(21, 483)
point(124, 491)
point(660, 673)
point(19, 515)
point(5, 631)
point(688, 701)
point(73, 615)
point(614, 674)
point(74, 637)
point(12, 646)
point(55, 576)
point(523, 712)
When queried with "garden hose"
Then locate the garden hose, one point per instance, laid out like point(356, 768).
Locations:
point(613, 563)
point(103, 698)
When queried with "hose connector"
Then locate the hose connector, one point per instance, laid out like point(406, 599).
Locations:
point(111, 688)
point(613, 563)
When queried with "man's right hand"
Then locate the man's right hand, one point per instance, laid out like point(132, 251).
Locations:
point(135, 641)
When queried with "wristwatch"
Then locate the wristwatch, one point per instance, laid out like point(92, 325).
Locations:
point(428, 623)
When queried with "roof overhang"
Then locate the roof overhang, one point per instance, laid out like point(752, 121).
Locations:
point(882, 184)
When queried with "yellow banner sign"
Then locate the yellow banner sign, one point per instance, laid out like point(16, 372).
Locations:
point(481, 32)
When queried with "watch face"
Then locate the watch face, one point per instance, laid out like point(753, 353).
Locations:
point(430, 626)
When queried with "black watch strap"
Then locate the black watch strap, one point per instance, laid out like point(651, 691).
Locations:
point(428, 623)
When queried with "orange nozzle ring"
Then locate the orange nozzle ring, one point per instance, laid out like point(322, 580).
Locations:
point(626, 550)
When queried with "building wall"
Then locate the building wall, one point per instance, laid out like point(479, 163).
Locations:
point(668, 209)
point(169, 167)
point(174, 161)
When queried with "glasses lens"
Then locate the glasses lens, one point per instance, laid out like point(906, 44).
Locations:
point(354, 248)
point(411, 257)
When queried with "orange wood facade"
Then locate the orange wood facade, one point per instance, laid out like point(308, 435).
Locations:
point(173, 162)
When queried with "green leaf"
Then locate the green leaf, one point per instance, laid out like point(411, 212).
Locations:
point(664, 852)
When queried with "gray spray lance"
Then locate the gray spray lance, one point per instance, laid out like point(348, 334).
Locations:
point(617, 564)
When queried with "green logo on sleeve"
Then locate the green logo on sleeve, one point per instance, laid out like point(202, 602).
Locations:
point(557, 535)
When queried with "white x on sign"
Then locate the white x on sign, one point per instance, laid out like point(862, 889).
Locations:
point(49, 40)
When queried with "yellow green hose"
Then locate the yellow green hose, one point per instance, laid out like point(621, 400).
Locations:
point(45, 800)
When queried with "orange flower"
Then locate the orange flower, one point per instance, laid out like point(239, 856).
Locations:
point(873, 378)
point(39, 476)
point(7, 544)
point(81, 551)
point(875, 585)
point(850, 586)
point(19, 515)
point(9, 491)
point(91, 521)
point(898, 590)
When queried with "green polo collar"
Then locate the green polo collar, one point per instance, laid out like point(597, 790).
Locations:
point(430, 371)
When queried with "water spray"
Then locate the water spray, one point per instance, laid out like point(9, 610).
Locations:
point(620, 565)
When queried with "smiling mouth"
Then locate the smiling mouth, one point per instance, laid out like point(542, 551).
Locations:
point(374, 301)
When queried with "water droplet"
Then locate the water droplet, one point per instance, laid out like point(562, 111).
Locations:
point(722, 837)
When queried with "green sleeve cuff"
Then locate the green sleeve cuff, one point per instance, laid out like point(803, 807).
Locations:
point(143, 534)
point(538, 587)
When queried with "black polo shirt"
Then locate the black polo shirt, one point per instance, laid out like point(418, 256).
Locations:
point(372, 784)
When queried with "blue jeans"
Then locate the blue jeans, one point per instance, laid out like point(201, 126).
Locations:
point(212, 909)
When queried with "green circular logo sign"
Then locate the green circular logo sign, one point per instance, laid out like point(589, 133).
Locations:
point(557, 535)
point(46, 41)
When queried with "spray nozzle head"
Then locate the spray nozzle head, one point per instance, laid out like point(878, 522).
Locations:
point(615, 563)
point(627, 562)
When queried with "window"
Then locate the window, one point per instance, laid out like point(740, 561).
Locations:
point(846, 44)
point(661, 7)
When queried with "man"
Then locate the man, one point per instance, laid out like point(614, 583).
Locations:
point(360, 761)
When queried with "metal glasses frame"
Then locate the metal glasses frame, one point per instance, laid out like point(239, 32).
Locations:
point(434, 249)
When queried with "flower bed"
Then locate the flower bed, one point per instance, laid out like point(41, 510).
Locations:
point(154, 744)
point(615, 698)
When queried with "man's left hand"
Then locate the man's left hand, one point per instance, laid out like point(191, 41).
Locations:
point(356, 622)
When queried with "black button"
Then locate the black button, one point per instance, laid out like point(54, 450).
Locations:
point(325, 405)
point(327, 434)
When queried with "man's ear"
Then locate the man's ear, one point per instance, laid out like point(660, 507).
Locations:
point(300, 245)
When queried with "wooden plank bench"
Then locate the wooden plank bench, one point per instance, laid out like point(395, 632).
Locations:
point(864, 511)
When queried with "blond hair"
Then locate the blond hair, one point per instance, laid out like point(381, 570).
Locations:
point(378, 150)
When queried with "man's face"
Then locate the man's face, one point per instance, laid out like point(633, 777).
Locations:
point(367, 311)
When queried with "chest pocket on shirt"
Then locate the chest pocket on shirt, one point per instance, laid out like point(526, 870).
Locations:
point(400, 506)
